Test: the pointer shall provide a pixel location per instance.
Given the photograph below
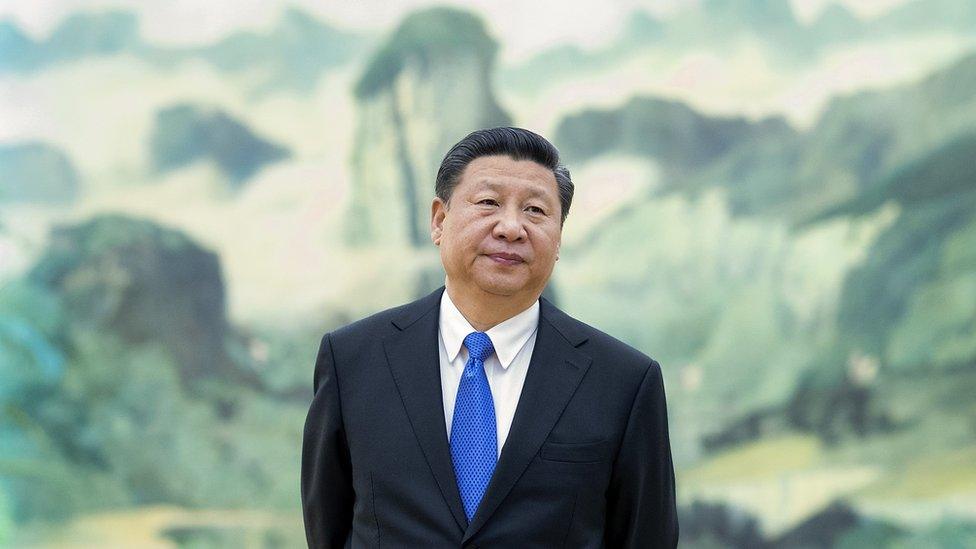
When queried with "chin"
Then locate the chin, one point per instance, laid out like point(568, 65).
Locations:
point(500, 287)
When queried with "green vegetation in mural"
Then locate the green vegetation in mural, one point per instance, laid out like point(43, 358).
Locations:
point(186, 133)
point(422, 36)
point(36, 172)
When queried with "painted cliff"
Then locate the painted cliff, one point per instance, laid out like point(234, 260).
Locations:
point(425, 87)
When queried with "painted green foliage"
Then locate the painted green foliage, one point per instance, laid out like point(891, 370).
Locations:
point(422, 35)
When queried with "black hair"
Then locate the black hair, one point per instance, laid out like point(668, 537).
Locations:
point(517, 143)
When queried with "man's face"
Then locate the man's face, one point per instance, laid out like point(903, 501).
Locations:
point(501, 230)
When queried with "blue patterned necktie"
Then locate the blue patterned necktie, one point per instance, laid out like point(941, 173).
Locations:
point(474, 442)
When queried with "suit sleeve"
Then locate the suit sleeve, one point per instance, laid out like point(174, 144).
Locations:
point(326, 480)
point(641, 508)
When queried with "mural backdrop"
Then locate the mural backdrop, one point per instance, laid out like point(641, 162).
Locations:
point(776, 200)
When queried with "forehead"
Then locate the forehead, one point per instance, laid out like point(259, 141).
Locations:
point(500, 172)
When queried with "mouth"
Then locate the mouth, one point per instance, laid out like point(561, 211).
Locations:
point(506, 259)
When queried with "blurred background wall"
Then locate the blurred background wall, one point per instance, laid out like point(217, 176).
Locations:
point(775, 199)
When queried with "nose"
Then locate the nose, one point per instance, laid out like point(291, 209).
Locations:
point(509, 226)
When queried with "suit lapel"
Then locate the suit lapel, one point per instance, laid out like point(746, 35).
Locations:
point(555, 370)
point(415, 362)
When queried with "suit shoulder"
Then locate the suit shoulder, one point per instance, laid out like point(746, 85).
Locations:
point(356, 338)
point(367, 325)
point(605, 347)
point(626, 354)
point(381, 323)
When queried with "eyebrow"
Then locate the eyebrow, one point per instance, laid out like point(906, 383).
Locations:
point(533, 191)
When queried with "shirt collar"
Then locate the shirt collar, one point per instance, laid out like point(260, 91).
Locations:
point(507, 337)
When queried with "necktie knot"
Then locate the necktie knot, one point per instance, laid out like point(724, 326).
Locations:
point(479, 346)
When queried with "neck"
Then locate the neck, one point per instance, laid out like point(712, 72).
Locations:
point(483, 310)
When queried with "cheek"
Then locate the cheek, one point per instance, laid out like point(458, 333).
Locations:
point(464, 238)
point(472, 231)
point(545, 242)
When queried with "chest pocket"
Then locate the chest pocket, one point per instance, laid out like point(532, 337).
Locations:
point(575, 452)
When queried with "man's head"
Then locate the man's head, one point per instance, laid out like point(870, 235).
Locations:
point(502, 198)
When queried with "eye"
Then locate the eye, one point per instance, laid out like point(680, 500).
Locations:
point(488, 201)
point(536, 209)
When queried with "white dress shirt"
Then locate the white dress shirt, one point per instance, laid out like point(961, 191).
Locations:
point(513, 340)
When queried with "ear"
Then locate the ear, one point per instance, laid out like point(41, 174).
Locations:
point(438, 211)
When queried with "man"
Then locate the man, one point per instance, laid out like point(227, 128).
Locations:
point(481, 415)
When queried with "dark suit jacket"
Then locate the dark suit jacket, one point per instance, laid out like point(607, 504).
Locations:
point(587, 462)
